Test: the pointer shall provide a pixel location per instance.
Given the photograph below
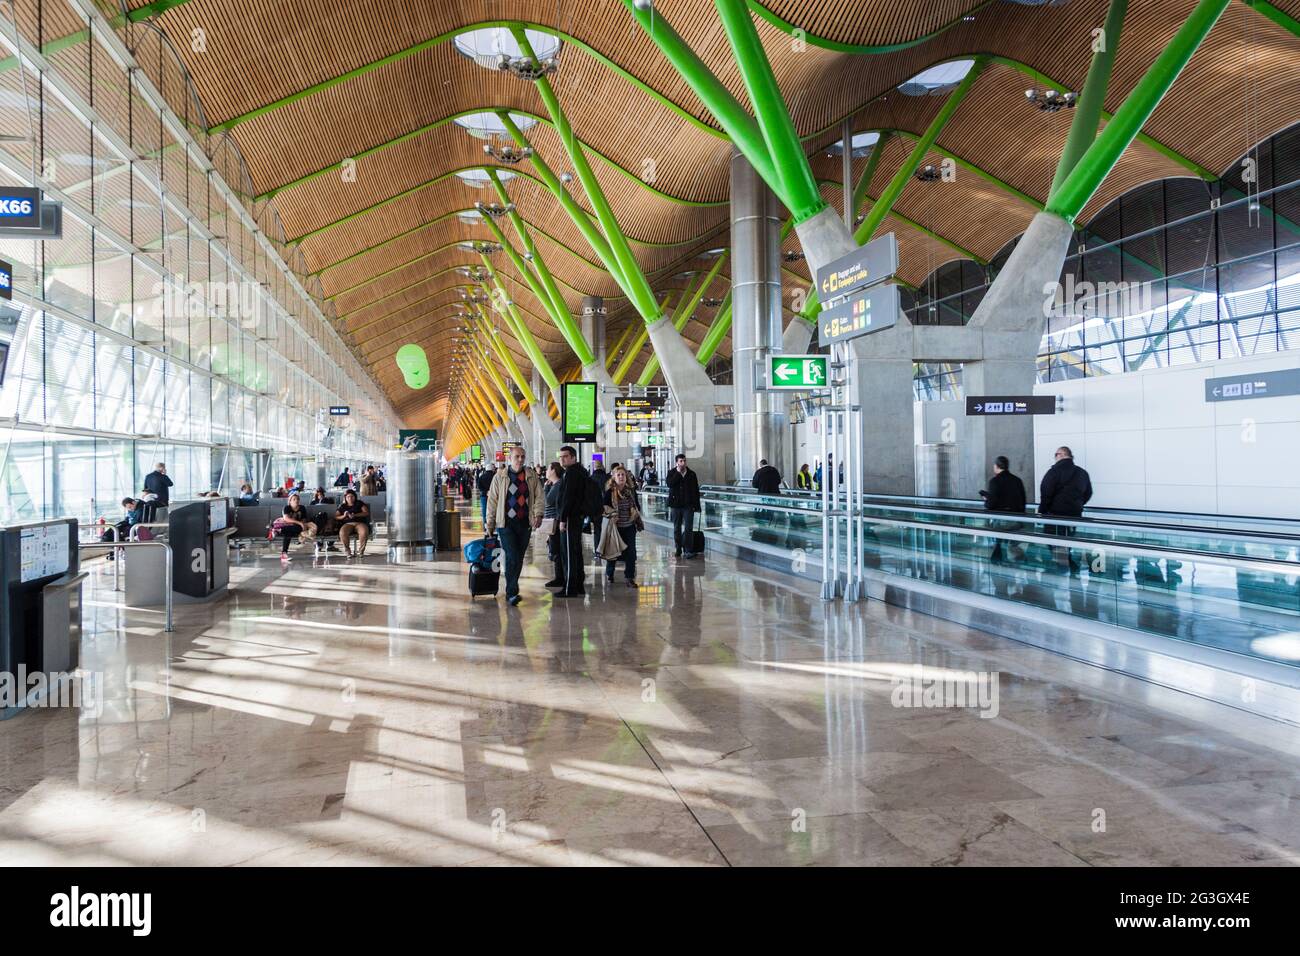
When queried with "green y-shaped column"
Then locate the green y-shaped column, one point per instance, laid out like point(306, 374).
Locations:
point(683, 316)
point(634, 349)
point(718, 330)
point(686, 379)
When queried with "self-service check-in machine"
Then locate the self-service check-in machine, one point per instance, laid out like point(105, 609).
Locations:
point(197, 532)
point(40, 602)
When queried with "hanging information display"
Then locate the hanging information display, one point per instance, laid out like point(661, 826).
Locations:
point(639, 413)
point(579, 412)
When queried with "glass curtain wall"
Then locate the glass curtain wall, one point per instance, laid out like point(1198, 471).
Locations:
point(1173, 272)
point(161, 326)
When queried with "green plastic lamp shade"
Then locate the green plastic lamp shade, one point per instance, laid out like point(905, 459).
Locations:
point(414, 365)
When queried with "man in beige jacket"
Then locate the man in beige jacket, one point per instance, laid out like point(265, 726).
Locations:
point(514, 508)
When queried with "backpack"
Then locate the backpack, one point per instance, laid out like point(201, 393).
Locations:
point(593, 500)
point(482, 553)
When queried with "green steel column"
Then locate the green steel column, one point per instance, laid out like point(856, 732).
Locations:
point(868, 174)
point(739, 125)
point(563, 321)
point(882, 206)
point(507, 359)
point(638, 289)
point(523, 335)
point(717, 332)
point(530, 247)
point(1092, 100)
point(576, 212)
point(634, 349)
point(622, 339)
point(1101, 157)
point(798, 190)
point(1280, 17)
point(486, 358)
point(683, 316)
point(498, 408)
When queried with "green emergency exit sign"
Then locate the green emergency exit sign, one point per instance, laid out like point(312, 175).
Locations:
point(796, 372)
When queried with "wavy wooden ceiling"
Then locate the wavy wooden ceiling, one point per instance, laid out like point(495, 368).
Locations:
point(390, 268)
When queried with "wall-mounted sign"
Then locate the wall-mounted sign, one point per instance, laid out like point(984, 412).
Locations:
point(6, 280)
point(340, 409)
point(796, 372)
point(418, 439)
point(579, 412)
point(861, 313)
point(20, 207)
point(639, 413)
point(875, 262)
point(654, 440)
point(1010, 404)
point(1236, 388)
point(46, 223)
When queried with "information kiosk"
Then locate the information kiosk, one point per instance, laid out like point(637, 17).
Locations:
point(40, 602)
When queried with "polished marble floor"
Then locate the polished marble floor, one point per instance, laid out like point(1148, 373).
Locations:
point(367, 712)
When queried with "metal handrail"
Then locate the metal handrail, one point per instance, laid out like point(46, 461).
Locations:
point(167, 564)
point(1272, 566)
point(1245, 537)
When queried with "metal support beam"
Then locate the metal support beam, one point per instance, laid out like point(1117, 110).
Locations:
point(718, 330)
point(683, 316)
point(1095, 165)
point(882, 206)
point(1087, 112)
point(795, 184)
point(519, 327)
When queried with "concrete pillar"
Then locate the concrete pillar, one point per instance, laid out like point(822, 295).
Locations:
point(1011, 317)
point(762, 425)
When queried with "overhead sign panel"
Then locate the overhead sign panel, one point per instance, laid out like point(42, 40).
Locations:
point(796, 372)
point(875, 262)
point(46, 223)
point(639, 413)
point(20, 207)
point(6, 280)
point(1236, 388)
point(861, 313)
point(579, 412)
point(340, 409)
point(1010, 404)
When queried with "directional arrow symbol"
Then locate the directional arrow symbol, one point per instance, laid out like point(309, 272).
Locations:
point(784, 372)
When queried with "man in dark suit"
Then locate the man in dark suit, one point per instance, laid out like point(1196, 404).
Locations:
point(569, 514)
point(683, 504)
point(1064, 490)
point(1006, 492)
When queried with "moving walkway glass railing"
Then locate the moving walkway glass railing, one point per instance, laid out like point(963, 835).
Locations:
point(1144, 516)
point(1233, 591)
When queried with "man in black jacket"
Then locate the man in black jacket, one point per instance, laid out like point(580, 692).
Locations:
point(683, 503)
point(1006, 492)
point(1064, 490)
point(767, 480)
point(569, 513)
point(157, 483)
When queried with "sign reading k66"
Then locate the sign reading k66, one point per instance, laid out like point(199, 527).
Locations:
point(20, 206)
point(796, 372)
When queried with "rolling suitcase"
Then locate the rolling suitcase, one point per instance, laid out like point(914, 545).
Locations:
point(697, 542)
point(483, 581)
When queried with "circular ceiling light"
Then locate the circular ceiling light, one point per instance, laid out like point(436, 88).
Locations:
point(937, 79)
point(862, 143)
point(480, 179)
point(489, 125)
point(487, 44)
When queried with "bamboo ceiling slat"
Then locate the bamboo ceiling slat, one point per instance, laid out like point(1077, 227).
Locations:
point(259, 51)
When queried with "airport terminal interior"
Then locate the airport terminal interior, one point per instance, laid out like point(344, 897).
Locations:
point(650, 432)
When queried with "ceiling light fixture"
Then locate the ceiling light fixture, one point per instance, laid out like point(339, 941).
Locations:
point(1051, 101)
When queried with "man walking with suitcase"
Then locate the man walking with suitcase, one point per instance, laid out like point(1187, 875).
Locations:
point(514, 509)
point(569, 513)
point(683, 503)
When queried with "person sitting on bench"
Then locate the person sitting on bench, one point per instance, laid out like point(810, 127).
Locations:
point(353, 517)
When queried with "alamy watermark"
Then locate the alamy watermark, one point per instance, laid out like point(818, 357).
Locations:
point(1071, 299)
point(943, 687)
point(22, 689)
point(174, 298)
